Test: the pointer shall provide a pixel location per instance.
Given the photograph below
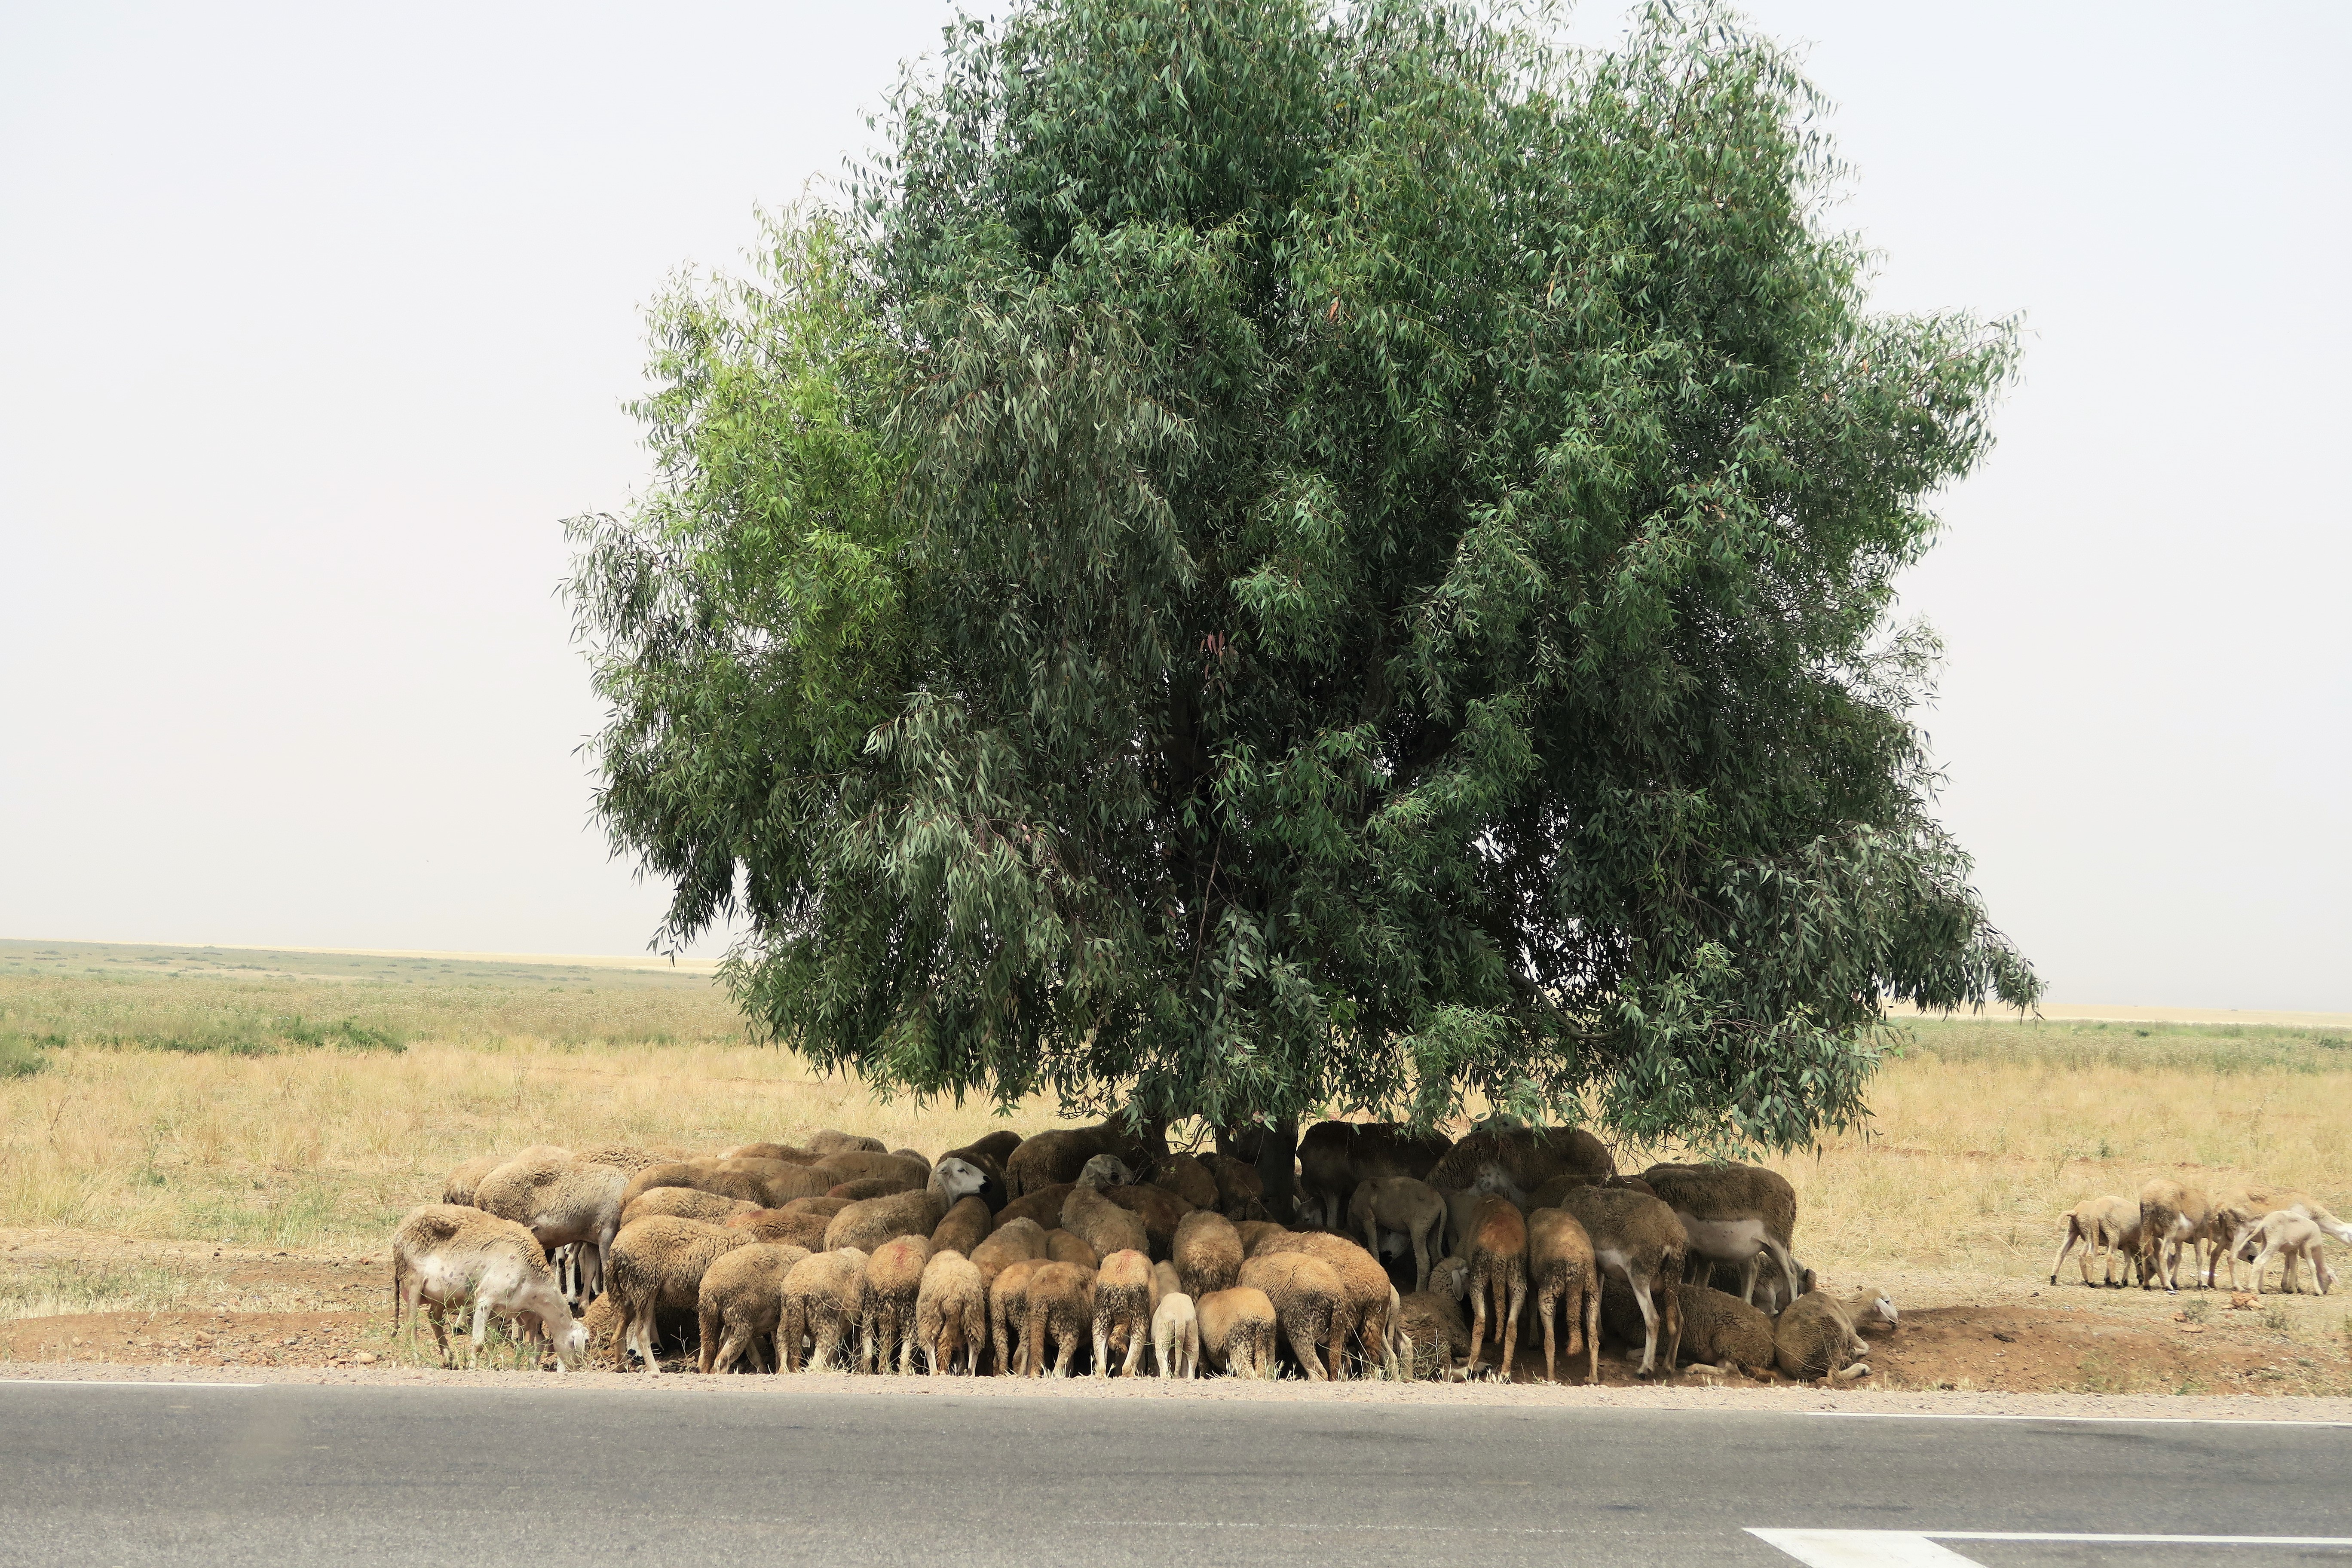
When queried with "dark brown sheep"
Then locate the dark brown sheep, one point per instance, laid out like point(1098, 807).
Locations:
point(1499, 1277)
point(1207, 1254)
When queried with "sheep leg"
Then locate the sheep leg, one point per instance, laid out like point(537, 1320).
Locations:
point(1421, 1258)
point(1340, 1326)
point(1782, 1255)
point(1477, 1326)
point(1303, 1331)
point(481, 1324)
point(1547, 1302)
point(1511, 1324)
point(1033, 1341)
point(717, 1357)
point(1102, 1347)
point(708, 1332)
point(1649, 1325)
point(440, 1333)
point(1137, 1333)
point(1592, 1329)
point(2074, 1233)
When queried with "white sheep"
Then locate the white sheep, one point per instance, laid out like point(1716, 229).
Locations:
point(443, 1254)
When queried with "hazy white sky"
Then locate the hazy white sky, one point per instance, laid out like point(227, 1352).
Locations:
point(314, 321)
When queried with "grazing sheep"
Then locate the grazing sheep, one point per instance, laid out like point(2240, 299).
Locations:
point(1176, 1336)
point(1732, 1213)
point(2097, 1224)
point(1640, 1241)
point(1566, 1282)
point(826, 1141)
point(1189, 1177)
point(1240, 1191)
point(1499, 1272)
point(1207, 1254)
point(965, 1226)
point(1412, 1208)
point(657, 1266)
point(1008, 1312)
point(787, 1152)
point(1122, 1306)
point(1515, 1160)
point(1061, 1246)
point(771, 1184)
point(2238, 1210)
point(686, 1203)
point(603, 1325)
point(868, 1224)
point(1432, 1320)
point(460, 1186)
point(1061, 1315)
point(952, 1313)
point(1361, 1317)
point(822, 1295)
point(785, 1225)
point(1236, 1331)
point(2171, 1216)
point(1014, 1243)
point(886, 1315)
point(1044, 1206)
point(1814, 1339)
point(446, 1253)
point(1335, 1158)
point(1305, 1293)
point(563, 1203)
point(739, 1302)
point(2293, 1238)
point(1089, 1215)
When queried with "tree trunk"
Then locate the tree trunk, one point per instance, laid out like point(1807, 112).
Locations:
point(1277, 1167)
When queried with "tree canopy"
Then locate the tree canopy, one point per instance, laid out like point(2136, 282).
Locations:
point(1267, 555)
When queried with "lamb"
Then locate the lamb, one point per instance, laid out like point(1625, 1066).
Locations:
point(656, 1265)
point(785, 1225)
point(1093, 1219)
point(1732, 1213)
point(2170, 1216)
point(739, 1302)
point(686, 1203)
point(1335, 1158)
point(1413, 1209)
point(563, 1203)
point(1019, 1242)
point(822, 1295)
point(828, 1141)
point(2240, 1210)
point(1515, 1160)
point(1122, 1303)
point(1176, 1336)
point(445, 1253)
point(2291, 1235)
point(460, 1186)
point(1061, 1246)
point(868, 1224)
point(1207, 1253)
point(1061, 1310)
point(2096, 1223)
point(886, 1311)
point(1306, 1294)
point(1187, 1176)
point(1361, 1315)
point(1640, 1241)
point(1499, 1272)
point(1566, 1282)
point(964, 1226)
point(1814, 1339)
point(952, 1313)
point(1236, 1331)
point(1043, 1207)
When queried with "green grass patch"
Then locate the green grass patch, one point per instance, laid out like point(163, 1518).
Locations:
point(20, 1055)
point(2068, 1044)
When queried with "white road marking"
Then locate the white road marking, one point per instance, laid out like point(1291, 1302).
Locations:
point(2099, 1420)
point(110, 1383)
point(1917, 1549)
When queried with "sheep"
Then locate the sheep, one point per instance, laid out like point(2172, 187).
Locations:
point(825, 1207)
point(446, 1253)
point(1413, 1209)
point(739, 1302)
point(952, 1313)
point(866, 1187)
point(2096, 1223)
point(1061, 1310)
point(2240, 1210)
point(1188, 1177)
point(822, 1295)
point(1165, 1282)
point(1122, 1303)
point(1547, 1196)
point(1176, 1336)
point(1008, 1312)
point(1236, 1331)
point(1640, 1241)
point(1732, 1213)
point(1361, 1316)
point(886, 1317)
point(460, 1186)
point(1459, 1208)
point(965, 1226)
point(784, 1224)
point(1090, 1215)
point(1335, 1158)
point(828, 1141)
point(1305, 1293)
point(1044, 1206)
point(2170, 1216)
point(603, 1325)
point(1061, 1246)
point(858, 1165)
point(656, 1265)
point(997, 1145)
point(1255, 1233)
point(686, 1203)
point(1499, 1272)
point(1814, 1339)
point(870, 1221)
point(1240, 1189)
point(563, 1203)
point(987, 1157)
point(1432, 1320)
point(1207, 1254)
point(1565, 1282)
point(1515, 1160)
point(787, 1152)
point(768, 1183)
point(622, 1156)
point(917, 1155)
point(1050, 1158)
point(1019, 1242)
point(1160, 1211)
point(2293, 1237)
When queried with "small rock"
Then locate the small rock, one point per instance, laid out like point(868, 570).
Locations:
point(2004, 1338)
point(365, 1358)
point(2192, 1328)
point(2239, 1301)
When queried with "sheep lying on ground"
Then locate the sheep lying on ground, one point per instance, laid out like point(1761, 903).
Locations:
point(1719, 1330)
point(739, 1303)
point(657, 1266)
point(1236, 1329)
point(822, 1295)
point(1432, 1320)
point(952, 1313)
point(2099, 1225)
point(1872, 1311)
point(443, 1254)
point(1814, 1339)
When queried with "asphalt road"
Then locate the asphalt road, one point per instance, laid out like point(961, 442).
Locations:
point(144, 1474)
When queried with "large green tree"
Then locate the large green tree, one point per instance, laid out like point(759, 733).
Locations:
point(1267, 556)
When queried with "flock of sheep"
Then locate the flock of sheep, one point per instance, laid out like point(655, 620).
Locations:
point(1084, 1246)
point(2250, 1224)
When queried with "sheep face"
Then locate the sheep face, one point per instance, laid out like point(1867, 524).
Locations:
point(956, 1178)
point(572, 1344)
point(1105, 1171)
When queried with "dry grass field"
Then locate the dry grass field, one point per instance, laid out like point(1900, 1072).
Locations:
point(160, 1104)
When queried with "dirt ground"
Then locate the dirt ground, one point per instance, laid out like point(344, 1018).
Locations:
point(197, 1306)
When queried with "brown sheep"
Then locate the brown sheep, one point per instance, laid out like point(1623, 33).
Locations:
point(868, 1224)
point(1014, 1243)
point(1719, 1330)
point(866, 1187)
point(1732, 1213)
point(1411, 1209)
point(563, 1203)
point(1042, 1207)
point(1187, 1176)
point(1255, 1234)
point(623, 1156)
point(787, 1152)
point(1547, 1196)
point(952, 1313)
point(1305, 1293)
point(739, 1303)
point(1050, 1158)
point(827, 1206)
point(768, 1183)
point(1814, 1339)
point(785, 1225)
point(886, 1314)
point(1008, 1312)
point(1236, 1329)
point(823, 1297)
point(657, 1266)
point(1160, 1211)
point(1639, 1240)
point(1516, 1160)
point(1207, 1253)
point(1335, 1158)
point(1498, 1273)
point(2171, 1216)
point(827, 1142)
point(1432, 1321)
point(1061, 1246)
point(1122, 1301)
point(1566, 1282)
point(1061, 1313)
point(460, 1186)
point(965, 1226)
point(1361, 1316)
point(1240, 1191)
point(1090, 1215)
point(2098, 1224)
point(860, 1165)
point(686, 1203)
point(997, 1145)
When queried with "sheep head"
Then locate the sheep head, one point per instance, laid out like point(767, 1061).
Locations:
point(953, 1178)
point(1105, 1171)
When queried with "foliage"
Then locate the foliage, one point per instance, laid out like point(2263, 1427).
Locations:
point(1272, 556)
